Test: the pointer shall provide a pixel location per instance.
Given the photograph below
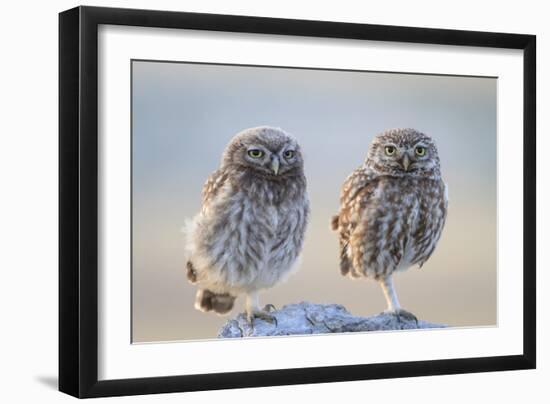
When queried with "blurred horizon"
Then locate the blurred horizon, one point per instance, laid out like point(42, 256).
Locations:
point(184, 114)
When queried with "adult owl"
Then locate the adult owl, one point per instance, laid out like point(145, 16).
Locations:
point(392, 210)
point(250, 230)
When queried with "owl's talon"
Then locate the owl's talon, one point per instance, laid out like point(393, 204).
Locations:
point(263, 315)
point(407, 315)
point(401, 314)
point(270, 307)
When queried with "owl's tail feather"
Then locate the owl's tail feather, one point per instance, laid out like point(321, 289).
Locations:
point(220, 303)
point(335, 222)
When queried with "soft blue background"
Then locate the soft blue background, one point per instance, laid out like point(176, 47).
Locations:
point(184, 115)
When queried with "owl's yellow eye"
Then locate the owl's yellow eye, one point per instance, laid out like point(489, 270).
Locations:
point(420, 151)
point(255, 153)
point(288, 154)
point(390, 150)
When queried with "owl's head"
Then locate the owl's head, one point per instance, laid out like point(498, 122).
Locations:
point(403, 152)
point(265, 151)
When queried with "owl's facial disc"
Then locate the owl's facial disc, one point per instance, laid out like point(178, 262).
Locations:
point(403, 158)
point(274, 161)
point(403, 152)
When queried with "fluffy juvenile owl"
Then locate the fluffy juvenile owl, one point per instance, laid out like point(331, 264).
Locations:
point(392, 210)
point(250, 230)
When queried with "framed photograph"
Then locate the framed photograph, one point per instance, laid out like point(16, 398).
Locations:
point(250, 201)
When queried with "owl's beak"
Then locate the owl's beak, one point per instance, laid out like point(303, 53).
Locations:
point(405, 162)
point(275, 165)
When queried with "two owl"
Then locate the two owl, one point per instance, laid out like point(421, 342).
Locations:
point(250, 230)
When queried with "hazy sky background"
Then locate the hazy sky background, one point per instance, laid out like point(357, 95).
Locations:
point(184, 115)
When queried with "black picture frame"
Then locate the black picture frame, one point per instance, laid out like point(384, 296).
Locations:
point(78, 201)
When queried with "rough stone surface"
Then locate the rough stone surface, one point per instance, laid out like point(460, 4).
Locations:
point(311, 318)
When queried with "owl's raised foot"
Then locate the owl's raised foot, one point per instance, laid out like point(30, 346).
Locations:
point(270, 307)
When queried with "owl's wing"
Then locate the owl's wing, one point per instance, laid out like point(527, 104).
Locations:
point(438, 218)
point(355, 193)
point(356, 182)
point(212, 187)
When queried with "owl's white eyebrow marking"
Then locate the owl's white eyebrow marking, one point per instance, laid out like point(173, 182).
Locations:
point(256, 147)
